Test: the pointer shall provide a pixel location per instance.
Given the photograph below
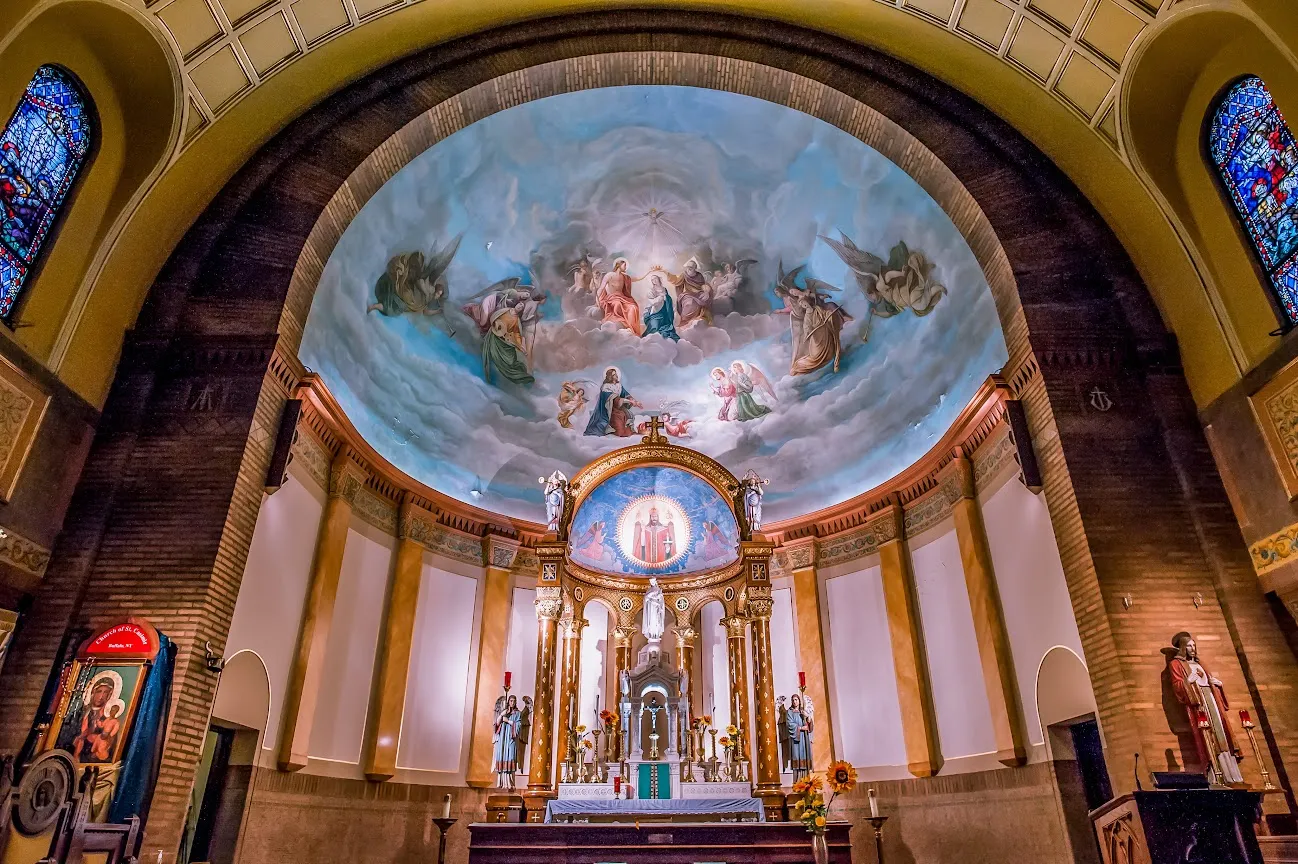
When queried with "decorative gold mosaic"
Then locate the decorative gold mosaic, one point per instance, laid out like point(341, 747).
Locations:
point(1276, 409)
point(22, 407)
point(1275, 551)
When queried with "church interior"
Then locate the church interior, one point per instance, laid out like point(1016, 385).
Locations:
point(573, 431)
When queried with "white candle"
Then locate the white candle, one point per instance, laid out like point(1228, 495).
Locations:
point(874, 805)
point(446, 805)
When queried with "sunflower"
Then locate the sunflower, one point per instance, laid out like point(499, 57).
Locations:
point(842, 777)
point(724, 742)
point(732, 730)
point(581, 728)
point(820, 821)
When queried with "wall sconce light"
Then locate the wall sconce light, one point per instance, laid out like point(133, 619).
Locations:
point(1197, 599)
point(1127, 600)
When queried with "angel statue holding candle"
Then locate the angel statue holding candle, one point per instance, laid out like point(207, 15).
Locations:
point(506, 738)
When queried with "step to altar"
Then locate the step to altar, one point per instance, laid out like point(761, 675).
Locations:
point(653, 843)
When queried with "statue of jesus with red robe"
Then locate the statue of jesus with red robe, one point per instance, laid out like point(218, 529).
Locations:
point(655, 542)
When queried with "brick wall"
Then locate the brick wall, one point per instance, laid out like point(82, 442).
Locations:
point(164, 512)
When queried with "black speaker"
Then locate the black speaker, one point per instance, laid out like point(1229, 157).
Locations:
point(283, 453)
point(1027, 457)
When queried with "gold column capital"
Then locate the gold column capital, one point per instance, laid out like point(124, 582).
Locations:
point(736, 626)
point(416, 522)
point(888, 524)
point(685, 635)
point(622, 636)
point(548, 603)
point(957, 476)
point(499, 551)
point(346, 477)
point(802, 553)
point(759, 602)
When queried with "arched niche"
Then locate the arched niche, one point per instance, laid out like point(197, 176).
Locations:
point(1177, 78)
point(1063, 690)
point(243, 694)
point(134, 85)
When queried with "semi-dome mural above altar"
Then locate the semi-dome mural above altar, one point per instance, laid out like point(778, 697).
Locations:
point(521, 296)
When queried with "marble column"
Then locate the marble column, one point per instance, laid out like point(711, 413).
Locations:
point(380, 760)
point(497, 601)
point(768, 748)
point(989, 620)
point(570, 633)
point(346, 479)
point(736, 653)
point(909, 659)
point(540, 771)
point(811, 646)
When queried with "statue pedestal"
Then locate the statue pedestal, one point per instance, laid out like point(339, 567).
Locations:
point(505, 808)
point(1176, 826)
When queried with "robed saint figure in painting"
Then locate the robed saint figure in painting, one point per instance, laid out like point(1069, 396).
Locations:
point(1198, 690)
point(615, 300)
point(815, 322)
point(503, 313)
point(654, 542)
point(659, 313)
point(612, 413)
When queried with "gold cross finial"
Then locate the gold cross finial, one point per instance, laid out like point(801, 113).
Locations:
point(655, 431)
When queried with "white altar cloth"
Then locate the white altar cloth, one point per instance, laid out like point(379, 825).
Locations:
point(741, 809)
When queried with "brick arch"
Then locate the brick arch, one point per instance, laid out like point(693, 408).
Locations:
point(165, 510)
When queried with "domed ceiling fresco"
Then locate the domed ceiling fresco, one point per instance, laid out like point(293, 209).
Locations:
point(523, 295)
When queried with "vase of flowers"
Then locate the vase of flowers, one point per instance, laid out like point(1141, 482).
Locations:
point(813, 810)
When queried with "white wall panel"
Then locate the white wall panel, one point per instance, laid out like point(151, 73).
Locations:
point(594, 651)
point(715, 664)
point(964, 721)
point(434, 729)
point(784, 645)
point(520, 658)
point(268, 612)
point(866, 710)
point(1030, 578)
point(350, 652)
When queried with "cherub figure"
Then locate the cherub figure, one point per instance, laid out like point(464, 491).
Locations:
point(572, 398)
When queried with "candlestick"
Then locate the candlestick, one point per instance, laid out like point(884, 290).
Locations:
point(444, 823)
point(877, 823)
point(874, 805)
point(446, 806)
point(1247, 722)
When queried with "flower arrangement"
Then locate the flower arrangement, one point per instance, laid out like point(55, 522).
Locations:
point(732, 730)
point(724, 742)
point(813, 809)
point(608, 718)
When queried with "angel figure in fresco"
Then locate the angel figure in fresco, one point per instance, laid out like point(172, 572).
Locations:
point(674, 426)
point(724, 389)
point(726, 284)
point(614, 298)
point(413, 286)
point(815, 321)
point(590, 545)
point(506, 314)
point(612, 413)
point(745, 377)
point(714, 546)
point(505, 749)
point(572, 398)
point(586, 275)
point(904, 281)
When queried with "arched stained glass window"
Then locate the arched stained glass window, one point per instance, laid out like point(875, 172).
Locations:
point(42, 149)
point(1257, 159)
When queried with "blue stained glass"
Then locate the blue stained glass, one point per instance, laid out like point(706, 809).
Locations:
point(1257, 159)
point(42, 149)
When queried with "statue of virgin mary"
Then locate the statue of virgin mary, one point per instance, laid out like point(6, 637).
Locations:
point(655, 611)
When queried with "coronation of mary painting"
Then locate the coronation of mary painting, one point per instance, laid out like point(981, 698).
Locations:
point(523, 295)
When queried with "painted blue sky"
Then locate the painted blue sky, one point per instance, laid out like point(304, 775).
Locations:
point(536, 187)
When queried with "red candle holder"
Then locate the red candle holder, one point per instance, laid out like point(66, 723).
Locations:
point(508, 676)
point(802, 680)
point(1201, 717)
point(1245, 719)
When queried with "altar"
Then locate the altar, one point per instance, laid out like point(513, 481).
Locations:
point(691, 810)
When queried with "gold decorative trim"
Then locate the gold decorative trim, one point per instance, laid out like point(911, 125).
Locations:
point(22, 408)
point(656, 454)
point(23, 554)
point(1275, 551)
point(1275, 406)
